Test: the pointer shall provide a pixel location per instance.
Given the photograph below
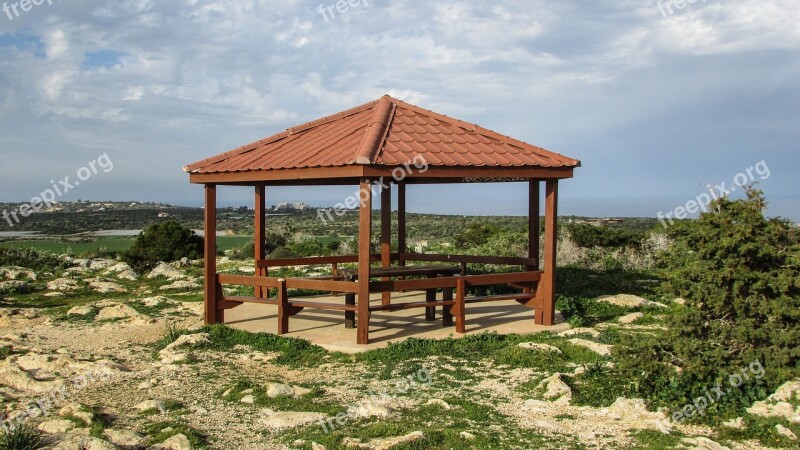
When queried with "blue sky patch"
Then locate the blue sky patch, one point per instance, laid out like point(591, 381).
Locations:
point(23, 41)
point(102, 58)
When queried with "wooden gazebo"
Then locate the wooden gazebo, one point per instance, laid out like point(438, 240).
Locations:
point(391, 143)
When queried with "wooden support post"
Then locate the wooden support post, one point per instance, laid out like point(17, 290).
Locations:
point(447, 310)
point(349, 316)
point(459, 307)
point(533, 223)
point(386, 236)
point(401, 221)
point(260, 228)
point(364, 251)
point(547, 287)
point(430, 296)
point(283, 308)
point(213, 312)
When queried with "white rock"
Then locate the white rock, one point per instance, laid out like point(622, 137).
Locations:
point(438, 402)
point(249, 399)
point(383, 443)
point(279, 390)
point(556, 390)
point(128, 275)
point(63, 285)
point(466, 435)
point(316, 446)
point(600, 349)
point(166, 271)
point(105, 287)
point(630, 318)
point(149, 405)
point(116, 312)
point(767, 408)
point(177, 442)
point(574, 331)
point(288, 419)
point(56, 426)
point(783, 431)
point(539, 347)
point(124, 438)
point(81, 310)
point(82, 442)
point(702, 443)
point(626, 300)
point(188, 340)
point(158, 300)
point(99, 264)
point(737, 423)
point(180, 284)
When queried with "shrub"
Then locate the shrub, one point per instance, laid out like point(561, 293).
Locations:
point(167, 241)
point(475, 235)
point(589, 236)
point(740, 275)
point(31, 259)
point(20, 437)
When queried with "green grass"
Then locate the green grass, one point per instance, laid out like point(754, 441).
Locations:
point(312, 401)
point(293, 352)
point(441, 429)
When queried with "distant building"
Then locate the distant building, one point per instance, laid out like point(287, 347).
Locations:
point(290, 206)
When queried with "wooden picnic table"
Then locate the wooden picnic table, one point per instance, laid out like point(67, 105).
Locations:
point(432, 271)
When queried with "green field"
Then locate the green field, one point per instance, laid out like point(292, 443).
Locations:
point(61, 246)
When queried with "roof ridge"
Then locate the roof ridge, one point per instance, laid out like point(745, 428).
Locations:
point(377, 129)
point(483, 130)
point(283, 134)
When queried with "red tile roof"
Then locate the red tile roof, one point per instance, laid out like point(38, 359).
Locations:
point(386, 132)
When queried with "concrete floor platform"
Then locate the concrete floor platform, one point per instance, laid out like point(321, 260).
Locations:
point(326, 328)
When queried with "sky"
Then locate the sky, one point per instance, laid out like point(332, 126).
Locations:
point(658, 99)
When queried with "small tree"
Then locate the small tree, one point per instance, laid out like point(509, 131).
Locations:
point(739, 273)
point(166, 241)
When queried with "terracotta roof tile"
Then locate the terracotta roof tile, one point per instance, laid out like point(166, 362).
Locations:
point(382, 132)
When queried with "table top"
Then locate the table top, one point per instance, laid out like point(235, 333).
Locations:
point(397, 271)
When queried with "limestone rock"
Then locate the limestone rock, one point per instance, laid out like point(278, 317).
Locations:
point(81, 310)
point(124, 438)
point(149, 405)
point(600, 349)
point(702, 443)
point(539, 347)
point(555, 389)
point(63, 285)
point(783, 431)
point(383, 443)
point(275, 390)
point(626, 300)
point(439, 402)
point(181, 284)
point(574, 331)
point(116, 312)
point(177, 442)
point(82, 442)
point(288, 419)
point(56, 426)
point(630, 318)
point(105, 287)
point(166, 271)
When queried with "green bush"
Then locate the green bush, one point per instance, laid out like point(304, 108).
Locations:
point(31, 259)
point(20, 437)
point(740, 275)
point(590, 236)
point(167, 241)
point(475, 235)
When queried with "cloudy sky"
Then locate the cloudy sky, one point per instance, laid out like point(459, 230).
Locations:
point(656, 101)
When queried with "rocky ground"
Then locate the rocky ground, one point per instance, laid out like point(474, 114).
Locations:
point(97, 357)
